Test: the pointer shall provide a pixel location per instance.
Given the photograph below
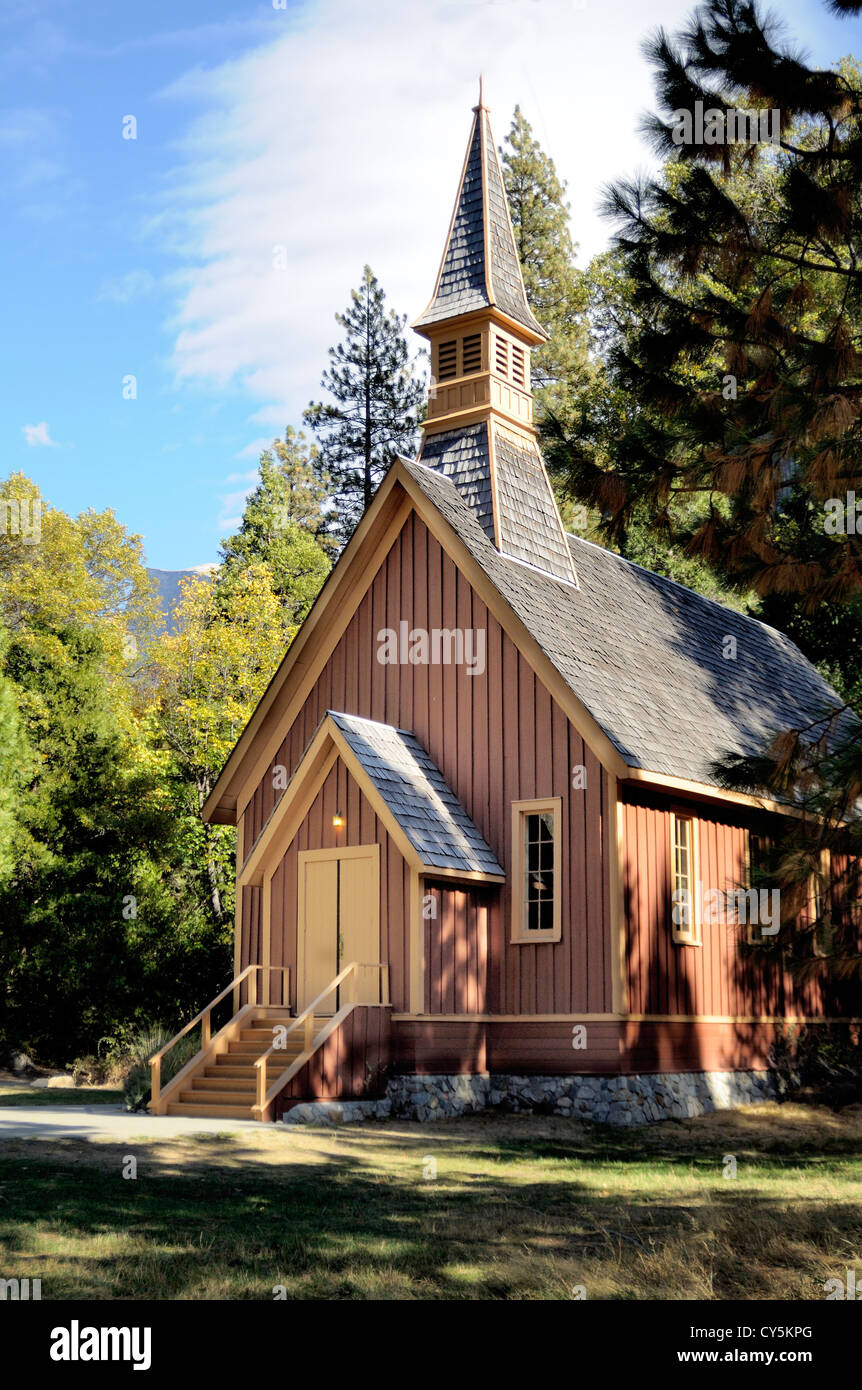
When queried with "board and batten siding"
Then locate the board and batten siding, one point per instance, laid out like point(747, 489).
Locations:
point(496, 737)
point(718, 977)
point(362, 826)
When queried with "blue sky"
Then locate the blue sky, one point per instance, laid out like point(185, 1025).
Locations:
point(330, 128)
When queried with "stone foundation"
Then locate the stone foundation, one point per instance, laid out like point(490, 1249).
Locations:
point(337, 1112)
point(613, 1100)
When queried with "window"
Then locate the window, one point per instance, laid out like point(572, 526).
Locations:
point(820, 906)
point(685, 900)
point(447, 360)
point(536, 870)
point(759, 876)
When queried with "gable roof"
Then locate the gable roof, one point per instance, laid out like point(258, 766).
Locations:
point(418, 796)
point(637, 658)
point(406, 789)
point(645, 655)
point(480, 267)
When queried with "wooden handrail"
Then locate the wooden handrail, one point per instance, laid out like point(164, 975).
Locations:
point(306, 1020)
point(205, 1020)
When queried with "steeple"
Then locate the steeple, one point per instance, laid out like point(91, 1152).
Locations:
point(479, 427)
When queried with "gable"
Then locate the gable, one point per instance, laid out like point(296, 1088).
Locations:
point(400, 781)
point(365, 583)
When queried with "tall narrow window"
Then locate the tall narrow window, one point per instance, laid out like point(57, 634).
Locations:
point(759, 878)
point(536, 870)
point(820, 906)
point(684, 896)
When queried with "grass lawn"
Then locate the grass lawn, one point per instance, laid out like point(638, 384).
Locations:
point(57, 1095)
point(521, 1207)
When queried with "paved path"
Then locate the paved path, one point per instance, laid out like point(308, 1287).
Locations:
point(111, 1122)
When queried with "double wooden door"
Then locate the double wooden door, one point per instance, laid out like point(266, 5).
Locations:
point(338, 921)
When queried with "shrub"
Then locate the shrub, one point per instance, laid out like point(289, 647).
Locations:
point(136, 1085)
point(824, 1061)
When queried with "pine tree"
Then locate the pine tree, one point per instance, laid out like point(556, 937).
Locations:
point(376, 402)
point(742, 351)
point(284, 526)
point(737, 358)
point(555, 287)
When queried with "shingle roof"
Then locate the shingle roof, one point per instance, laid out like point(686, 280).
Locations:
point(530, 525)
point(418, 796)
point(647, 657)
point(469, 280)
point(462, 455)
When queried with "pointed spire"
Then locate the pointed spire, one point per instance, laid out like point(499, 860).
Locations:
point(480, 267)
point(478, 430)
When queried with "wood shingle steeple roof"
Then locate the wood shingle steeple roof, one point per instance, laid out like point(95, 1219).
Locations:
point(479, 428)
point(480, 267)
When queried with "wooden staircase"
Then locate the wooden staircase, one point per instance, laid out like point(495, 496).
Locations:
point(241, 1071)
point(227, 1087)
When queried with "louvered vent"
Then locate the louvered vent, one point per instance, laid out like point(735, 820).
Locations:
point(502, 357)
point(472, 353)
point(447, 361)
point(517, 365)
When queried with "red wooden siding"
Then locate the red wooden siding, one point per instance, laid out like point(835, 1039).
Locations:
point(456, 948)
point(497, 737)
point(351, 1063)
point(545, 1047)
point(719, 977)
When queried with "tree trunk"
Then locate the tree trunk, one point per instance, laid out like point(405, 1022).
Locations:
point(215, 892)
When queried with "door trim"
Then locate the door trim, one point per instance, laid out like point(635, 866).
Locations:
point(305, 856)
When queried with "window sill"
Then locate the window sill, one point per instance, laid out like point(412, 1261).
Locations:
point(535, 937)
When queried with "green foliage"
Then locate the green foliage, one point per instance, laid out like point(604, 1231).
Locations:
point(284, 525)
point(137, 1084)
point(376, 402)
point(556, 289)
point(116, 900)
point(731, 328)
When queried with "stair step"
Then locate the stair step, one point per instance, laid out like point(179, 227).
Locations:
point(226, 1069)
point(231, 1099)
point(243, 1085)
point(205, 1112)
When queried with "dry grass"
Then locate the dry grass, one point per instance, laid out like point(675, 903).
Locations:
point(521, 1207)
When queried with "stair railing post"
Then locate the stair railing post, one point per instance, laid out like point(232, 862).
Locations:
point(259, 1067)
point(155, 1080)
point(205, 1029)
point(308, 1033)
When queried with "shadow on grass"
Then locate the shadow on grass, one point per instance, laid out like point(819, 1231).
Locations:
point(363, 1222)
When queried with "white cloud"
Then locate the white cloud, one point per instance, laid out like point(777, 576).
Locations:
point(39, 436)
point(125, 289)
point(341, 141)
point(254, 449)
